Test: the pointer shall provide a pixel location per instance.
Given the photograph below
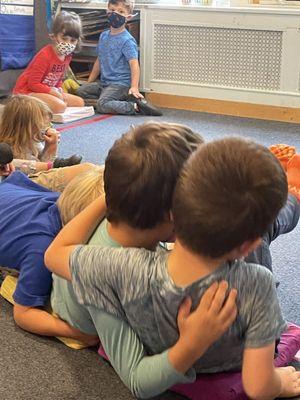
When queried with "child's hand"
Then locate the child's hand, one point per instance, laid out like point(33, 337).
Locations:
point(290, 381)
point(135, 92)
point(7, 169)
point(210, 320)
point(52, 137)
point(56, 92)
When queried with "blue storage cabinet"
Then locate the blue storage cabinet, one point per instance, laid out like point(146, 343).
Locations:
point(17, 43)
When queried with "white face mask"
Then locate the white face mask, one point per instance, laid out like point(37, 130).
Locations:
point(65, 48)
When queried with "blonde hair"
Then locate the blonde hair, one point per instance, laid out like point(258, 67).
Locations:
point(80, 192)
point(22, 120)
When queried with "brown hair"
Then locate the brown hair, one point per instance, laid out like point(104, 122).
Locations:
point(80, 192)
point(68, 24)
point(229, 192)
point(128, 4)
point(141, 171)
point(21, 123)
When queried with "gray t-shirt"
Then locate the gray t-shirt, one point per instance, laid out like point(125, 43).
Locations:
point(134, 284)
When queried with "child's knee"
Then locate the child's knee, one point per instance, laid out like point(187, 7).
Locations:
point(58, 107)
point(79, 101)
point(103, 107)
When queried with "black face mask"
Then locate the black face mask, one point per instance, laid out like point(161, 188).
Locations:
point(116, 20)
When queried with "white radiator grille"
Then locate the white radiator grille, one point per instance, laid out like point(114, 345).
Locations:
point(244, 58)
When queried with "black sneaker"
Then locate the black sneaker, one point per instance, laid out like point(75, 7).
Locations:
point(146, 108)
point(67, 162)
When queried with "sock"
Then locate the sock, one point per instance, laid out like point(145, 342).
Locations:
point(283, 152)
point(293, 175)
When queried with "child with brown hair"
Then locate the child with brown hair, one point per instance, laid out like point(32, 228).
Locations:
point(140, 174)
point(175, 142)
point(44, 75)
point(117, 63)
point(222, 206)
point(26, 127)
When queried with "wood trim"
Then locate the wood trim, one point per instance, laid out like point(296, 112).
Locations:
point(235, 108)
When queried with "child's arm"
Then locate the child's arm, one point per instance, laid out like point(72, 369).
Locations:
point(260, 307)
point(40, 322)
point(77, 231)
point(135, 77)
point(38, 69)
point(95, 72)
point(147, 376)
point(51, 138)
point(261, 380)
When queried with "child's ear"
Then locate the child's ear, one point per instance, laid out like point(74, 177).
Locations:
point(245, 249)
point(129, 17)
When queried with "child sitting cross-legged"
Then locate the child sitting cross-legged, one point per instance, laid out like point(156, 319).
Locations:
point(26, 127)
point(223, 204)
point(117, 92)
point(44, 75)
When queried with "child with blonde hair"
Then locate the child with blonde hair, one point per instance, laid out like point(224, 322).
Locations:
point(24, 237)
point(80, 192)
point(25, 126)
point(43, 77)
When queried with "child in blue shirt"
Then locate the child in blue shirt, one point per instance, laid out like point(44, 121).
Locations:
point(30, 220)
point(117, 61)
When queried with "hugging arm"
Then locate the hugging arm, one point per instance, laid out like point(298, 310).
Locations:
point(261, 380)
point(146, 376)
point(77, 231)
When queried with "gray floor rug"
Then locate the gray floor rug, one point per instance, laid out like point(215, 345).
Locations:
point(36, 368)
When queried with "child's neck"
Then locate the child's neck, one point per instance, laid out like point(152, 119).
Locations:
point(115, 31)
point(127, 236)
point(185, 267)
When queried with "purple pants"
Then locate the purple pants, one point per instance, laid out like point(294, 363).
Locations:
point(228, 385)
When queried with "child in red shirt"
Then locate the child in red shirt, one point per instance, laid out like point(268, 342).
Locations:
point(44, 75)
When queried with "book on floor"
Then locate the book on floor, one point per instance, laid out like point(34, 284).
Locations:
point(73, 114)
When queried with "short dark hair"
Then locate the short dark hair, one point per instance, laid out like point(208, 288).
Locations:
point(229, 192)
point(128, 4)
point(68, 24)
point(141, 171)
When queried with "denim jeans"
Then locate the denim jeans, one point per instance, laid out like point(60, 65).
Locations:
point(112, 99)
point(285, 222)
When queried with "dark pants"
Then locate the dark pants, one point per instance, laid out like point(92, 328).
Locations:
point(285, 222)
point(112, 99)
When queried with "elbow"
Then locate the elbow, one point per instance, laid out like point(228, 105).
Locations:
point(20, 316)
point(142, 390)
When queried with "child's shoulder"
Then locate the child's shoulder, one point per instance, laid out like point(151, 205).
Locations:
point(45, 52)
point(251, 276)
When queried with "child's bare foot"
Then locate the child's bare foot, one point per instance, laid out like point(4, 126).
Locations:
point(283, 152)
point(293, 175)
